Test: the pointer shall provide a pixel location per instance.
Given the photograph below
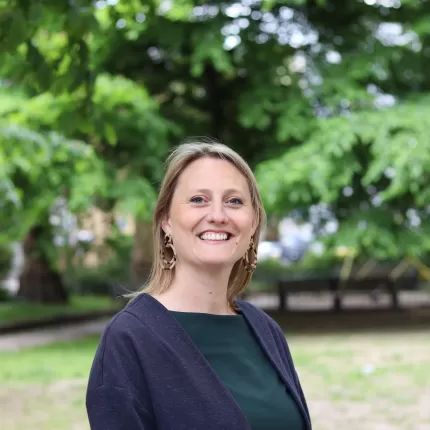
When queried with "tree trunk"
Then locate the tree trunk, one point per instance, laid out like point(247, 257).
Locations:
point(38, 281)
point(142, 254)
point(271, 232)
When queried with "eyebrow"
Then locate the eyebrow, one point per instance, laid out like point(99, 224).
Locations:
point(228, 191)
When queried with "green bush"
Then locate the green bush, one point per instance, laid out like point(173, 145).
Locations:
point(108, 278)
point(5, 296)
point(104, 279)
point(311, 263)
point(6, 256)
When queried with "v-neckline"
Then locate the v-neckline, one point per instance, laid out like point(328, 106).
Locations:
point(202, 358)
point(263, 343)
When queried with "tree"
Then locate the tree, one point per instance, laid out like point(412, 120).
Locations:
point(188, 61)
point(371, 170)
point(364, 163)
point(35, 170)
point(258, 75)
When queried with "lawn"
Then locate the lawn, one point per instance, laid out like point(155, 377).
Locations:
point(360, 381)
point(12, 311)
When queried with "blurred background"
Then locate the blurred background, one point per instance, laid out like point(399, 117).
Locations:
point(328, 101)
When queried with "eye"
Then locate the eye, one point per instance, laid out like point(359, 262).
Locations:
point(236, 201)
point(197, 199)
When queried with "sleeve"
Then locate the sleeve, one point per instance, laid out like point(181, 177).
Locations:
point(114, 408)
point(117, 393)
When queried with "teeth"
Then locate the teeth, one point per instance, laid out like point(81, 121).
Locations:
point(214, 236)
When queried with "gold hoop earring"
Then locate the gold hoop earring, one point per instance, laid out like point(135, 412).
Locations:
point(168, 244)
point(250, 261)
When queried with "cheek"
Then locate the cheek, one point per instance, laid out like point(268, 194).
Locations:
point(242, 242)
point(246, 224)
point(182, 220)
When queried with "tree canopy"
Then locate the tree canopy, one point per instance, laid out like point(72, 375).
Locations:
point(326, 99)
point(371, 169)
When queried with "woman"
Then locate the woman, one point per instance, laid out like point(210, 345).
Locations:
point(185, 353)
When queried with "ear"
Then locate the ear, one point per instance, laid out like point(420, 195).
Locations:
point(254, 224)
point(165, 225)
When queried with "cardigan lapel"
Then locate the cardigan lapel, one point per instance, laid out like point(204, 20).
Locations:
point(265, 337)
point(160, 320)
point(178, 338)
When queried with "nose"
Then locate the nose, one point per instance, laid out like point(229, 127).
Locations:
point(217, 214)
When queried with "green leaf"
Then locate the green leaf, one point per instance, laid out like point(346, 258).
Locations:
point(110, 134)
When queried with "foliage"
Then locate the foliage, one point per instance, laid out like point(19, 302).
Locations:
point(301, 78)
point(124, 130)
point(311, 264)
point(109, 277)
point(44, 41)
point(35, 169)
point(202, 85)
point(371, 168)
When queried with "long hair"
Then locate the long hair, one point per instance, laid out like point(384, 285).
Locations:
point(161, 279)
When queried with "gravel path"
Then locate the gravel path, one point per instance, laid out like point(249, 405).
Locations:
point(322, 301)
point(45, 336)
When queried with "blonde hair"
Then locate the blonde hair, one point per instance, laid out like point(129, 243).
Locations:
point(160, 279)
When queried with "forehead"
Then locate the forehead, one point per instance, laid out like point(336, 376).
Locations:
point(212, 173)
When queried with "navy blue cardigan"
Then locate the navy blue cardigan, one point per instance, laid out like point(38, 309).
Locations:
point(148, 375)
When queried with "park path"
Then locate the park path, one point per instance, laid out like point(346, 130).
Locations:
point(72, 331)
point(46, 336)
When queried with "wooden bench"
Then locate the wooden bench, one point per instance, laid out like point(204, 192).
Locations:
point(332, 282)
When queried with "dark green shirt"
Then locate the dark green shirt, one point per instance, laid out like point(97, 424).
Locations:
point(228, 344)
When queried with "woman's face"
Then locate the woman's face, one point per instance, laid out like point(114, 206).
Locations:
point(211, 217)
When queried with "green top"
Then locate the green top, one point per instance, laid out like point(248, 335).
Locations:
point(237, 358)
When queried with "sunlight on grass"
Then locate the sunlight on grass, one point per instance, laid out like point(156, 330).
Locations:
point(49, 363)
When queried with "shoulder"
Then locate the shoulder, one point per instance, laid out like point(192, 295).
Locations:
point(269, 330)
point(258, 315)
point(123, 342)
point(127, 330)
point(134, 316)
point(126, 320)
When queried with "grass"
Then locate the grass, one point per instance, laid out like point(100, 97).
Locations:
point(366, 381)
point(360, 381)
point(48, 364)
point(15, 310)
point(44, 388)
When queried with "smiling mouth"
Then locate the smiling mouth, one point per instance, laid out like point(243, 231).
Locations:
point(221, 237)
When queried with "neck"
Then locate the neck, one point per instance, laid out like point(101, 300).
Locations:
point(194, 290)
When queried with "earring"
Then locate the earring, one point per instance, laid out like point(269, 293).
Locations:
point(168, 243)
point(250, 261)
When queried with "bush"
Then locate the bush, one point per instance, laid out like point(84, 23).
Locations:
point(105, 279)
point(108, 278)
point(310, 264)
point(6, 256)
point(5, 296)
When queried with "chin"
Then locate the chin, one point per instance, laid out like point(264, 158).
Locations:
point(216, 262)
